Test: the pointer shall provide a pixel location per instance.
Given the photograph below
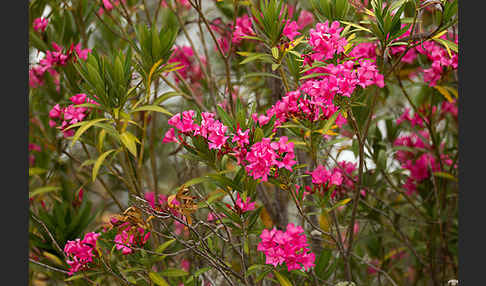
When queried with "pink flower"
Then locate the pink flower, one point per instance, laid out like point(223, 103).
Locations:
point(364, 50)
point(450, 107)
point(150, 197)
point(262, 119)
point(124, 241)
point(212, 216)
point(81, 252)
point(34, 147)
point(74, 114)
point(289, 247)
point(305, 18)
point(243, 28)
point(241, 137)
point(170, 136)
point(107, 4)
point(320, 175)
point(290, 30)
point(79, 98)
point(189, 69)
point(40, 24)
point(55, 111)
point(185, 265)
point(261, 158)
point(82, 53)
point(326, 41)
point(244, 206)
point(184, 123)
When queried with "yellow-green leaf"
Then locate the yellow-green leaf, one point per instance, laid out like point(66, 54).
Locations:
point(173, 272)
point(445, 176)
point(43, 190)
point(275, 52)
point(129, 140)
point(155, 108)
point(152, 70)
point(86, 125)
point(157, 279)
point(101, 140)
point(53, 258)
point(343, 202)
point(164, 246)
point(284, 281)
point(356, 26)
point(36, 171)
point(444, 92)
point(100, 161)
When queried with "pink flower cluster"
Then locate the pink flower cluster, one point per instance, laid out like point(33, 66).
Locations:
point(52, 60)
point(340, 177)
point(326, 41)
point(150, 197)
point(128, 238)
point(70, 115)
point(314, 99)
point(259, 159)
point(210, 128)
point(420, 166)
point(81, 252)
point(189, 69)
point(292, 28)
point(440, 59)
point(264, 156)
point(411, 54)
point(323, 177)
point(435, 52)
point(364, 50)
point(242, 28)
point(40, 24)
point(289, 247)
point(244, 206)
point(415, 120)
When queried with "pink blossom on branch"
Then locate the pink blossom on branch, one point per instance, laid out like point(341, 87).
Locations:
point(40, 24)
point(289, 247)
point(81, 252)
point(244, 206)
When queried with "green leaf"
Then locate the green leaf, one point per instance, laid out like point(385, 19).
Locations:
point(164, 246)
point(43, 190)
point(258, 134)
point(445, 176)
point(157, 279)
point(128, 139)
point(85, 126)
point(322, 262)
point(312, 75)
point(356, 26)
point(173, 272)
point(36, 171)
point(100, 161)
point(328, 123)
point(82, 275)
point(225, 118)
point(254, 268)
point(284, 281)
point(275, 53)
point(196, 274)
point(155, 108)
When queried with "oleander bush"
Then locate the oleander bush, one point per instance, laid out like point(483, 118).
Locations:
point(243, 142)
